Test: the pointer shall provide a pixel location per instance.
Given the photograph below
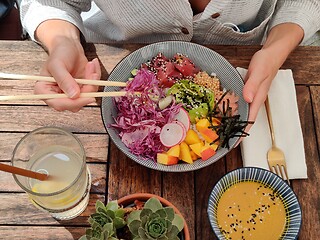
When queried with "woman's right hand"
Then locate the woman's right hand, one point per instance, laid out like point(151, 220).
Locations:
point(65, 62)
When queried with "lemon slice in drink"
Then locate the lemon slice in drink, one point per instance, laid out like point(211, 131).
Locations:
point(50, 187)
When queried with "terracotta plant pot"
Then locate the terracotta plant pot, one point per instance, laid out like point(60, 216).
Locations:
point(129, 199)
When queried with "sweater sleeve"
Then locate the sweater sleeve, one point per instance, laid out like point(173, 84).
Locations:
point(305, 13)
point(34, 12)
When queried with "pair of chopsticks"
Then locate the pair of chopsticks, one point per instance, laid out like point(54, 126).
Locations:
point(61, 95)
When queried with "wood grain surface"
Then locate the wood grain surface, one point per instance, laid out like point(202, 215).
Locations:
point(113, 174)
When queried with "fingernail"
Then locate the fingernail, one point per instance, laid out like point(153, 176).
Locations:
point(249, 97)
point(72, 93)
point(95, 76)
point(90, 66)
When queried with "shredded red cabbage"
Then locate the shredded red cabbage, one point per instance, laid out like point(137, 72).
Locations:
point(139, 118)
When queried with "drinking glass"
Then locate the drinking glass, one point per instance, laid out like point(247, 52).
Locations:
point(58, 153)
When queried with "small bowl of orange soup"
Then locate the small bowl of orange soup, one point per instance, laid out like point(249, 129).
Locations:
point(254, 203)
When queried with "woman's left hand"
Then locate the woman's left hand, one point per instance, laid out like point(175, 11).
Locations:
point(265, 63)
point(262, 70)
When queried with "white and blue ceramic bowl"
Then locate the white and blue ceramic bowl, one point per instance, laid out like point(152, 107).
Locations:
point(267, 178)
point(203, 57)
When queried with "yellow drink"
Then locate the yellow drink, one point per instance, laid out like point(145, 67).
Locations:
point(63, 167)
point(58, 153)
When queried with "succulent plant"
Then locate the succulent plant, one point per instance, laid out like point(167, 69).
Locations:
point(105, 222)
point(155, 222)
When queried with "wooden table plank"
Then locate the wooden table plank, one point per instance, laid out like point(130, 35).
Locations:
point(307, 190)
point(16, 209)
point(126, 176)
point(27, 118)
point(44, 233)
point(96, 145)
point(178, 188)
point(315, 98)
point(205, 180)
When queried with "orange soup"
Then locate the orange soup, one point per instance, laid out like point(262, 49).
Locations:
point(250, 210)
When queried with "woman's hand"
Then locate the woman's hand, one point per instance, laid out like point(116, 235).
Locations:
point(65, 62)
point(262, 70)
point(265, 63)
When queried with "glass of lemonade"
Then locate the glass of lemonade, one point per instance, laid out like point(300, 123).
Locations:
point(58, 153)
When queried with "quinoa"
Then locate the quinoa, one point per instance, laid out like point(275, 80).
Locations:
point(210, 82)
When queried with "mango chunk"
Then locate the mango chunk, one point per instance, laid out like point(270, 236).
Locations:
point(185, 154)
point(192, 137)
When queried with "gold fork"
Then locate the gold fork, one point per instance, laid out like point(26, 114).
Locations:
point(275, 156)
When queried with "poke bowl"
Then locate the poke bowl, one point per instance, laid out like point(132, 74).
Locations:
point(175, 92)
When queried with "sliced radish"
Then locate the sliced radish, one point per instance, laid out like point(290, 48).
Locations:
point(183, 117)
point(165, 102)
point(184, 129)
point(172, 134)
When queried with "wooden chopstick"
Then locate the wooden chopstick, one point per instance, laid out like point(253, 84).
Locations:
point(61, 95)
point(51, 79)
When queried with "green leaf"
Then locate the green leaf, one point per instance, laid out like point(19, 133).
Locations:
point(142, 233)
point(138, 238)
point(120, 213)
point(84, 237)
point(119, 222)
point(145, 212)
point(178, 222)
point(111, 213)
point(169, 224)
point(173, 233)
point(103, 236)
point(144, 220)
point(170, 213)
point(89, 232)
point(100, 210)
point(99, 204)
point(133, 227)
point(162, 213)
point(108, 227)
point(112, 205)
point(165, 238)
point(135, 215)
point(153, 216)
point(154, 204)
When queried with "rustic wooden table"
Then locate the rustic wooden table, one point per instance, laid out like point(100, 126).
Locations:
point(113, 174)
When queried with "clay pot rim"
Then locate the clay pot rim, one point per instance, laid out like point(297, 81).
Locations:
point(145, 196)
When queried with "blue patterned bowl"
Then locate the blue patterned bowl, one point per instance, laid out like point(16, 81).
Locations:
point(203, 57)
point(266, 178)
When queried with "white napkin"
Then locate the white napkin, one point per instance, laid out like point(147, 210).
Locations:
point(287, 128)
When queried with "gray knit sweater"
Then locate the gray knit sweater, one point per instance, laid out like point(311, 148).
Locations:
point(145, 21)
